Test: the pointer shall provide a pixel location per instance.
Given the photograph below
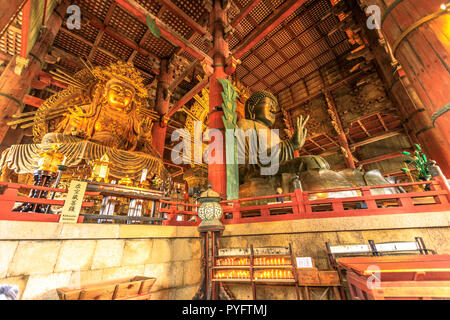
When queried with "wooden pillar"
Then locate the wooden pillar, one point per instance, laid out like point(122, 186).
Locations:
point(217, 173)
point(162, 105)
point(8, 11)
point(416, 32)
point(416, 120)
point(341, 135)
point(15, 81)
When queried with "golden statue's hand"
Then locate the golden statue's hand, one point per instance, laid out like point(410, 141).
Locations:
point(299, 137)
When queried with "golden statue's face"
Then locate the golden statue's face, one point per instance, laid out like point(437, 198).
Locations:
point(119, 95)
point(265, 111)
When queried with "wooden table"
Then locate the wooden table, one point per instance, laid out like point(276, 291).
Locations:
point(398, 277)
point(311, 277)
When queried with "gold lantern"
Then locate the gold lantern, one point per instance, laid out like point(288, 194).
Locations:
point(126, 181)
point(50, 159)
point(100, 169)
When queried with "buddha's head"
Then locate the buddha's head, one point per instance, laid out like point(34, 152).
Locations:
point(119, 94)
point(261, 107)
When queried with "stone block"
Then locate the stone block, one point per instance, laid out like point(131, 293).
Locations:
point(7, 249)
point(161, 250)
point(160, 295)
point(181, 250)
point(162, 273)
point(17, 230)
point(185, 293)
point(350, 237)
point(89, 231)
point(108, 253)
point(75, 255)
point(137, 252)
point(176, 274)
point(43, 286)
point(146, 231)
point(122, 272)
point(81, 278)
point(192, 272)
point(195, 248)
point(34, 257)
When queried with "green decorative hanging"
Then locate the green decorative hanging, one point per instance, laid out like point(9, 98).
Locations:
point(420, 162)
point(151, 24)
point(229, 96)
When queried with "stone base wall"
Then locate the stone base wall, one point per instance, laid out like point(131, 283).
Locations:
point(40, 257)
point(308, 239)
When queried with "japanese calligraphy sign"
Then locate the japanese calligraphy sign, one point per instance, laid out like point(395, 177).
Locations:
point(72, 206)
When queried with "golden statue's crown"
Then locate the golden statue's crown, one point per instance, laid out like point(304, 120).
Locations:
point(124, 71)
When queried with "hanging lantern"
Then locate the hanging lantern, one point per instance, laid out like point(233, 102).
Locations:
point(210, 210)
point(100, 169)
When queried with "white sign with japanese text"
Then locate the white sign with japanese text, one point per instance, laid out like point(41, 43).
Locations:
point(72, 206)
point(304, 262)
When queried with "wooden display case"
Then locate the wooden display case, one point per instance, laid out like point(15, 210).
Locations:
point(257, 266)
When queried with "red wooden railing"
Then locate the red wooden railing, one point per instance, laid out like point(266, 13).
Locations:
point(179, 213)
point(296, 205)
point(10, 197)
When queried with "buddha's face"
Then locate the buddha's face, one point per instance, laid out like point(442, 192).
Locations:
point(265, 111)
point(119, 95)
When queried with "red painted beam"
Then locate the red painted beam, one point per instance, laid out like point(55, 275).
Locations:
point(188, 96)
point(383, 157)
point(279, 16)
point(244, 12)
point(140, 13)
point(32, 101)
point(26, 16)
point(186, 19)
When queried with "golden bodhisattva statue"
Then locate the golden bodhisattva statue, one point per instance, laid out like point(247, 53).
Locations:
point(104, 110)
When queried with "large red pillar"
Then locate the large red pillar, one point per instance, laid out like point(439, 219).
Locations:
point(416, 119)
point(162, 106)
point(15, 81)
point(217, 172)
point(416, 32)
point(428, 136)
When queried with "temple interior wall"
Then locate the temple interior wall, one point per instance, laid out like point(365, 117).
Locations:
point(39, 257)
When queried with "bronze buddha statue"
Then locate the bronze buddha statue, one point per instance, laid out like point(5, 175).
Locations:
point(314, 171)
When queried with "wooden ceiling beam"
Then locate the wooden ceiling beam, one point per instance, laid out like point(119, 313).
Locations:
point(32, 101)
point(384, 157)
point(281, 14)
point(188, 96)
point(185, 18)
point(99, 36)
point(181, 77)
point(135, 9)
point(334, 86)
point(367, 141)
point(244, 12)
